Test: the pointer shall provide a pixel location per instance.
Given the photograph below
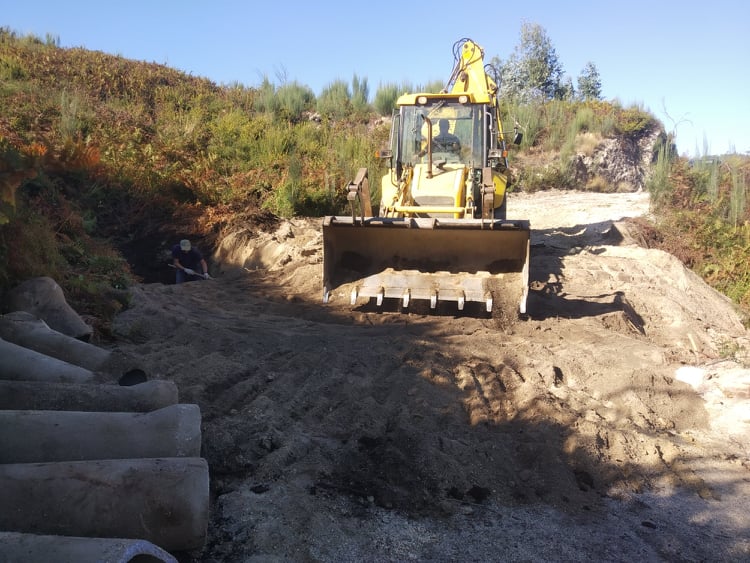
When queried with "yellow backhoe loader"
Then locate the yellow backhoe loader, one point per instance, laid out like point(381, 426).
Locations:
point(441, 233)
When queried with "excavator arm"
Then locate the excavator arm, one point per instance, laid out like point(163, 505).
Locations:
point(469, 75)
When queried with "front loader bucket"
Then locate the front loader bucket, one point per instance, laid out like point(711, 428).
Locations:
point(434, 259)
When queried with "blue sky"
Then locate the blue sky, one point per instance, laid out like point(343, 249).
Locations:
point(686, 62)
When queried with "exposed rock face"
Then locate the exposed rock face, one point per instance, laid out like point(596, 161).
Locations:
point(622, 162)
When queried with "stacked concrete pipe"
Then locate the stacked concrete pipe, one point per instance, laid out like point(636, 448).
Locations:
point(37, 548)
point(32, 333)
point(92, 470)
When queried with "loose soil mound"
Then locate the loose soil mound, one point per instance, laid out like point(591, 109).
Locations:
point(589, 431)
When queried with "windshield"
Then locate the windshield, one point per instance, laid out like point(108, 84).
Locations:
point(457, 133)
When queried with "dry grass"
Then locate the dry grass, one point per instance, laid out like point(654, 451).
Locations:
point(586, 143)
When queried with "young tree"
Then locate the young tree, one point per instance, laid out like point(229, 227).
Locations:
point(533, 71)
point(589, 83)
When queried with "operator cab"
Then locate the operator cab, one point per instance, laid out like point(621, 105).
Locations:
point(468, 131)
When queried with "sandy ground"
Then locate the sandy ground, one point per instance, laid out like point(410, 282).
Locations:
point(611, 425)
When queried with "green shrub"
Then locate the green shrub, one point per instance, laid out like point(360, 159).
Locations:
point(265, 98)
point(360, 95)
point(334, 101)
point(234, 139)
point(738, 197)
point(703, 176)
point(633, 121)
point(385, 99)
point(11, 68)
point(529, 119)
point(556, 119)
point(74, 116)
point(584, 120)
point(293, 100)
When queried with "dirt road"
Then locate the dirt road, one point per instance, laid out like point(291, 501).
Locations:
point(612, 425)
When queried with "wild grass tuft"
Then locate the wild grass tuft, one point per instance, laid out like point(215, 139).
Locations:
point(659, 183)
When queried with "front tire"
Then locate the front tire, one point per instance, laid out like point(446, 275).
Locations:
point(501, 212)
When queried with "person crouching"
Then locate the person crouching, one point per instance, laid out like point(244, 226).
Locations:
point(188, 262)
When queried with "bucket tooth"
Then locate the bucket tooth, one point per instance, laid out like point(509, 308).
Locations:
point(461, 301)
point(353, 297)
point(433, 299)
point(405, 298)
point(488, 302)
point(379, 296)
point(326, 295)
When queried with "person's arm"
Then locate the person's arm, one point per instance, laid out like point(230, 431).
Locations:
point(176, 262)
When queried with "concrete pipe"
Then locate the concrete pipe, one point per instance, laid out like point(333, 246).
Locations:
point(45, 299)
point(29, 331)
point(163, 501)
point(19, 363)
point(51, 396)
point(44, 436)
point(31, 548)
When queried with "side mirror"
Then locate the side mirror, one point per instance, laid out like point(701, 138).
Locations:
point(517, 138)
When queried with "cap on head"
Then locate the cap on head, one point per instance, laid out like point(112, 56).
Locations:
point(185, 245)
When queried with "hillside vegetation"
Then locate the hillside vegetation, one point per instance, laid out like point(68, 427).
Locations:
point(98, 152)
